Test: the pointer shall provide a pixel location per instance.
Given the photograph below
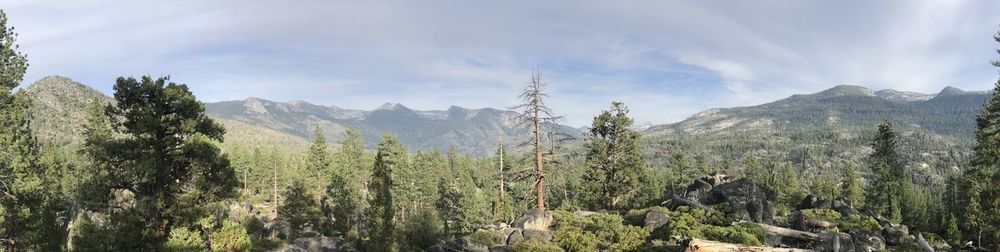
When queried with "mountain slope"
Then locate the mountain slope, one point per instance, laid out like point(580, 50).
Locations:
point(474, 131)
point(59, 110)
point(820, 131)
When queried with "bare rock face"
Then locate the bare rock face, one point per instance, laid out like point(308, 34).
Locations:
point(534, 219)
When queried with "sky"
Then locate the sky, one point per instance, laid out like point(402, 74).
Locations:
point(666, 60)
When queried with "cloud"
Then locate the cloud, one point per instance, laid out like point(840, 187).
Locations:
point(666, 59)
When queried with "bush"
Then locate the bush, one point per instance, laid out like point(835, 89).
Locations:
point(536, 246)
point(599, 231)
point(421, 231)
point(743, 233)
point(574, 239)
point(231, 237)
point(488, 238)
point(630, 238)
point(822, 214)
point(184, 239)
point(858, 222)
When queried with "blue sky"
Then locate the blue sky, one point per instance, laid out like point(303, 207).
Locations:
point(665, 59)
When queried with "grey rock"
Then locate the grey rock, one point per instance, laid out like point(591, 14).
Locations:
point(747, 199)
point(656, 219)
point(321, 243)
point(469, 246)
point(542, 235)
point(836, 242)
point(894, 234)
point(537, 219)
point(865, 241)
point(515, 236)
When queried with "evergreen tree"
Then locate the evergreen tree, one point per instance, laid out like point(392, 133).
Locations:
point(160, 148)
point(352, 162)
point(883, 194)
point(981, 193)
point(299, 208)
point(24, 189)
point(613, 160)
point(390, 156)
point(449, 208)
point(318, 161)
point(342, 204)
point(850, 187)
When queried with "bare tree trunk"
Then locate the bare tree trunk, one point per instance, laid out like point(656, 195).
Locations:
point(540, 182)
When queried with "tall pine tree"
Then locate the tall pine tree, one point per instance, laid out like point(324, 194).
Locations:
point(21, 180)
point(883, 194)
point(391, 155)
point(981, 195)
point(318, 160)
point(614, 162)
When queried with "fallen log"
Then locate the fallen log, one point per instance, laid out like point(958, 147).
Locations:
point(786, 232)
point(819, 223)
point(695, 204)
point(923, 243)
point(698, 245)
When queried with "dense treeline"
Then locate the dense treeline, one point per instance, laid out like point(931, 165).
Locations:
point(151, 175)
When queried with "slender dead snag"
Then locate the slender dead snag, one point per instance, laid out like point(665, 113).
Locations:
point(535, 114)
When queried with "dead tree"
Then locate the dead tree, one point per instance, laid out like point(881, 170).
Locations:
point(535, 114)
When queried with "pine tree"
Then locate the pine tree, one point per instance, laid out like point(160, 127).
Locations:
point(535, 114)
point(850, 187)
point(161, 147)
point(299, 208)
point(449, 208)
point(613, 160)
point(318, 160)
point(22, 183)
point(883, 195)
point(352, 161)
point(390, 156)
point(980, 191)
point(342, 203)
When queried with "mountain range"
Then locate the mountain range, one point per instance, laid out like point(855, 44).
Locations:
point(844, 113)
point(61, 103)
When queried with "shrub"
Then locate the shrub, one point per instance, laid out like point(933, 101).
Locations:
point(822, 214)
point(729, 235)
point(630, 238)
point(184, 239)
point(421, 231)
point(231, 237)
point(574, 239)
point(858, 222)
point(487, 238)
point(536, 246)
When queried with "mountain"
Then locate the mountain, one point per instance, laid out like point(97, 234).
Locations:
point(820, 130)
point(475, 131)
point(59, 109)
point(60, 106)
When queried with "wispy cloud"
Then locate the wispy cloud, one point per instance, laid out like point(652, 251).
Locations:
point(666, 59)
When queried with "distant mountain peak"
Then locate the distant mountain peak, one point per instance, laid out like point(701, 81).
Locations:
point(255, 105)
point(949, 90)
point(902, 96)
point(391, 106)
point(845, 90)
